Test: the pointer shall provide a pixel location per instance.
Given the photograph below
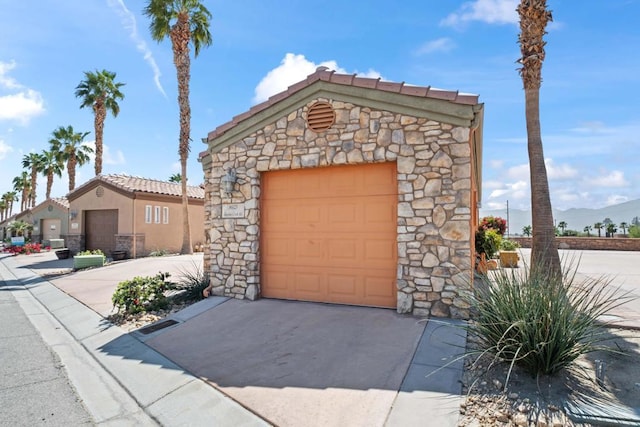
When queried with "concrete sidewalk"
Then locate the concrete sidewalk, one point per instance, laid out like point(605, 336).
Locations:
point(404, 382)
point(120, 379)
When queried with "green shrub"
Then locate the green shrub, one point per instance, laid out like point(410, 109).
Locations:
point(634, 231)
point(91, 252)
point(159, 252)
point(509, 245)
point(142, 294)
point(192, 283)
point(539, 321)
point(488, 242)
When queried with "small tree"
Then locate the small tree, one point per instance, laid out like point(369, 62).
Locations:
point(526, 230)
point(562, 225)
point(611, 229)
point(624, 227)
point(176, 178)
point(598, 226)
point(587, 230)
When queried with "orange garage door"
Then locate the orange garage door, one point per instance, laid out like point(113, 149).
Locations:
point(329, 234)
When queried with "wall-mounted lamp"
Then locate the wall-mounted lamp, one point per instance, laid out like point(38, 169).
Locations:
point(229, 181)
point(73, 214)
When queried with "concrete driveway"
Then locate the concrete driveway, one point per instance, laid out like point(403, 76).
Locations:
point(297, 363)
point(95, 286)
point(620, 268)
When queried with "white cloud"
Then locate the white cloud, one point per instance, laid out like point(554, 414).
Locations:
point(614, 179)
point(554, 172)
point(496, 163)
point(443, 44)
point(489, 11)
point(4, 149)
point(108, 157)
point(560, 172)
point(616, 199)
point(293, 69)
point(21, 103)
point(129, 23)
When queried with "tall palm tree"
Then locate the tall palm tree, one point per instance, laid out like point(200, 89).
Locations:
point(9, 197)
point(534, 17)
point(101, 92)
point(51, 165)
point(22, 184)
point(69, 144)
point(3, 209)
point(184, 22)
point(33, 162)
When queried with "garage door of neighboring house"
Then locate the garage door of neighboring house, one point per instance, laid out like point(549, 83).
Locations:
point(100, 229)
point(51, 228)
point(329, 234)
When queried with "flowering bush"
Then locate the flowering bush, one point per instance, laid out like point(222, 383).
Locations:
point(27, 248)
point(142, 294)
point(494, 223)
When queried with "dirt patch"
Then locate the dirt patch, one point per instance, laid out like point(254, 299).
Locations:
point(499, 396)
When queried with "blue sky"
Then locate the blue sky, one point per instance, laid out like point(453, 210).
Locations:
point(589, 98)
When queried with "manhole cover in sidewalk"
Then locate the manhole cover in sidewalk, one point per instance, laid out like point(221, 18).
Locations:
point(157, 326)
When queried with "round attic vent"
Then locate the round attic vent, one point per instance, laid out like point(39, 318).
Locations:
point(320, 116)
point(99, 191)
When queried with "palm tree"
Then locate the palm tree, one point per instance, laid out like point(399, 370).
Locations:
point(624, 227)
point(100, 91)
point(69, 144)
point(562, 225)
point(611, 229)
point(52, 165)
point(3, 209)
point(526, 230)
point(176, 177)
point(22, 184)
point(32, 161)
point(184, 22)
point(598, 226)
point(587, 230)
point(534, 17)
point(9, 197)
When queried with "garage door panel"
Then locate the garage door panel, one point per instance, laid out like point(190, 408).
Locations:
point(343, 250)
point(308, 250)
point(330, 234)
point(343, 285)
point(380, 251)
point(308, 284)
point(101, 227)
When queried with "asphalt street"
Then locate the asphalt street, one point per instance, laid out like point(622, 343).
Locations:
point(34, 387)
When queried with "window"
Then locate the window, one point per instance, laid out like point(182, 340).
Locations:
point(147, 214)
point(157, 214)
point(165, 215)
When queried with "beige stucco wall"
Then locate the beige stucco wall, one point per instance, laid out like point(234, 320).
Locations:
point(168, 237)
point(435, 202)
point(110, 199)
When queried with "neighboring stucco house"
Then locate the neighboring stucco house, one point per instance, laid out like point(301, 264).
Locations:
point(347, 190)
point(50, 220)
point(137, 215)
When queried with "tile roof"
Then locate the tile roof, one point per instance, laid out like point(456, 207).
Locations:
point(136, 184)
point(63, 202)
point(323, 74)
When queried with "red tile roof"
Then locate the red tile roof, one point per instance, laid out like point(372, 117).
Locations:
point(323, 74)
point(136, 184)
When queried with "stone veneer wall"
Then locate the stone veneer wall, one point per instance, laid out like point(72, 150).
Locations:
point(434, 198)
point(124, 242)
point(74, 242)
